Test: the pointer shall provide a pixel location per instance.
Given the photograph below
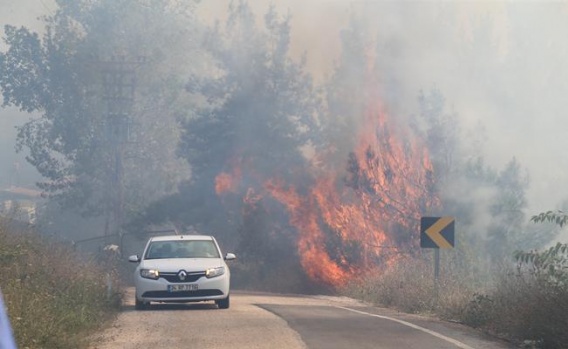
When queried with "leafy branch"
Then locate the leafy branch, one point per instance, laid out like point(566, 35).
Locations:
point(553, 261)
point(558, 217)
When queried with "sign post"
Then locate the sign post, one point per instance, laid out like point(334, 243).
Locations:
point(436, 264)
point(437, 233)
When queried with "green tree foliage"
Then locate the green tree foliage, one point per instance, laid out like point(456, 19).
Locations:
point(546, 273)
point(59, 77)
point(260, 112)
point(552, 262)
point(504, 221)
point(261, 105)
point(558, 217)
point(507, 210)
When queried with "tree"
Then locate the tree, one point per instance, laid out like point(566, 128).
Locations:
point(59, 76)
point(507, 210)
point(494, 208)
point(259, 115)
point(545, 274)
point(441, 131)
point(347, 94)
point(554, 260)
point(262, 105)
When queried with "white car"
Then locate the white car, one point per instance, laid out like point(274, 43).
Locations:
point(182, 268)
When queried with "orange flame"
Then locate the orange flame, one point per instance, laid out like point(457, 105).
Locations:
point(303, 215)
point(357, 221)
point(224, 183)
point(384, 192)
point(229, 182)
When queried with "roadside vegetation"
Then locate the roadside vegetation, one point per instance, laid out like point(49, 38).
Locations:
point(525, 301)
point(54, 299)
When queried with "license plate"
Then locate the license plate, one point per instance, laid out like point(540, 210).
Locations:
point(184, 287)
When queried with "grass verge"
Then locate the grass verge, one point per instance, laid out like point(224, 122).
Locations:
point(54, 299)
point(517, 304)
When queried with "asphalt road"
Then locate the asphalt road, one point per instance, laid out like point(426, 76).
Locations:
point(279, 321)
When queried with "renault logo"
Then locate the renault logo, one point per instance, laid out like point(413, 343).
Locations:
point(182, 275)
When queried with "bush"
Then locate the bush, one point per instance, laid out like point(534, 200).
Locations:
point(529, 303)
point(409, 285)
point(479, 311)
point(531, 306)
point(53, 298)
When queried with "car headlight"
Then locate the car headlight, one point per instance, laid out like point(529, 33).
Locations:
point(213, 272)
point(150, 274)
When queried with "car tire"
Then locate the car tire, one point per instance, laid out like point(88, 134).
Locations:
point(139, 305)
point(224, 303)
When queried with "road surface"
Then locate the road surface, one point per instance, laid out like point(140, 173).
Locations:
point(279, 321)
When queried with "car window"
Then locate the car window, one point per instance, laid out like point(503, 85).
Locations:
point(204, 249)
point(182, 249)
point(159, 250)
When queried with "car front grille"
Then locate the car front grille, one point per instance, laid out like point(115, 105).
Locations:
point(166, 294)
point(174, 277)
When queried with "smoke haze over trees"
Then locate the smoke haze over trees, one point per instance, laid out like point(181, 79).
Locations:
point(231, 116)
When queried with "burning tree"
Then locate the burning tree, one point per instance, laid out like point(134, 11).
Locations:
point(339, 199)
point(352, 223)
point(261, 107)
point(370, 180)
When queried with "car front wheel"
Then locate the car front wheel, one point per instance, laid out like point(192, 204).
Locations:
point(223, 303)
point(139, 305)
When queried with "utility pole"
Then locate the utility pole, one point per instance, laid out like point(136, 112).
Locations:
point(119, 87)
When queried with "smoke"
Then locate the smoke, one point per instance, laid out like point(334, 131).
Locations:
point(499, 65)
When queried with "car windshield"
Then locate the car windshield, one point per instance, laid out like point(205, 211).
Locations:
point(182, 249)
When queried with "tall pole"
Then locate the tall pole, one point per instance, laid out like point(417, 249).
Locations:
point(119, 86)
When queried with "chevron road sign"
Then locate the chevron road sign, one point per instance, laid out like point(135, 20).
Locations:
point(437, 232)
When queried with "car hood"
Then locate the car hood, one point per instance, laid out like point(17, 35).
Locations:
point(177, 264)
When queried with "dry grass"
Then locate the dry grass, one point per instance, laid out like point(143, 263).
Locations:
point(53, 298)
point(525, 306)
point(514, 304)
point(410, 287)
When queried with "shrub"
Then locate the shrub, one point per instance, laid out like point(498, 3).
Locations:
point(409, 285)
point(479, 311)
point(53, 298)
point(531, 302)
point(527, 303)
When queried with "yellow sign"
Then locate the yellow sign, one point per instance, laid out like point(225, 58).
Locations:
point(437, 232)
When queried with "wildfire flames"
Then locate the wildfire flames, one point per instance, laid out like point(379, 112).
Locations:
point(350, 224)
point(359, 218)
point(224, 182)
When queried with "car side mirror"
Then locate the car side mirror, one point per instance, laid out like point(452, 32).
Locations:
point(134, 258)
point(230, 257)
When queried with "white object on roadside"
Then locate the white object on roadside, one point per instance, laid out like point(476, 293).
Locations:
point(6, 337)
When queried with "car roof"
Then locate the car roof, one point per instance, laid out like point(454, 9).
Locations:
point(181, 237)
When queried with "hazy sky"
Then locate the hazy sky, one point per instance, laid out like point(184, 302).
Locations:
point(526, 119)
